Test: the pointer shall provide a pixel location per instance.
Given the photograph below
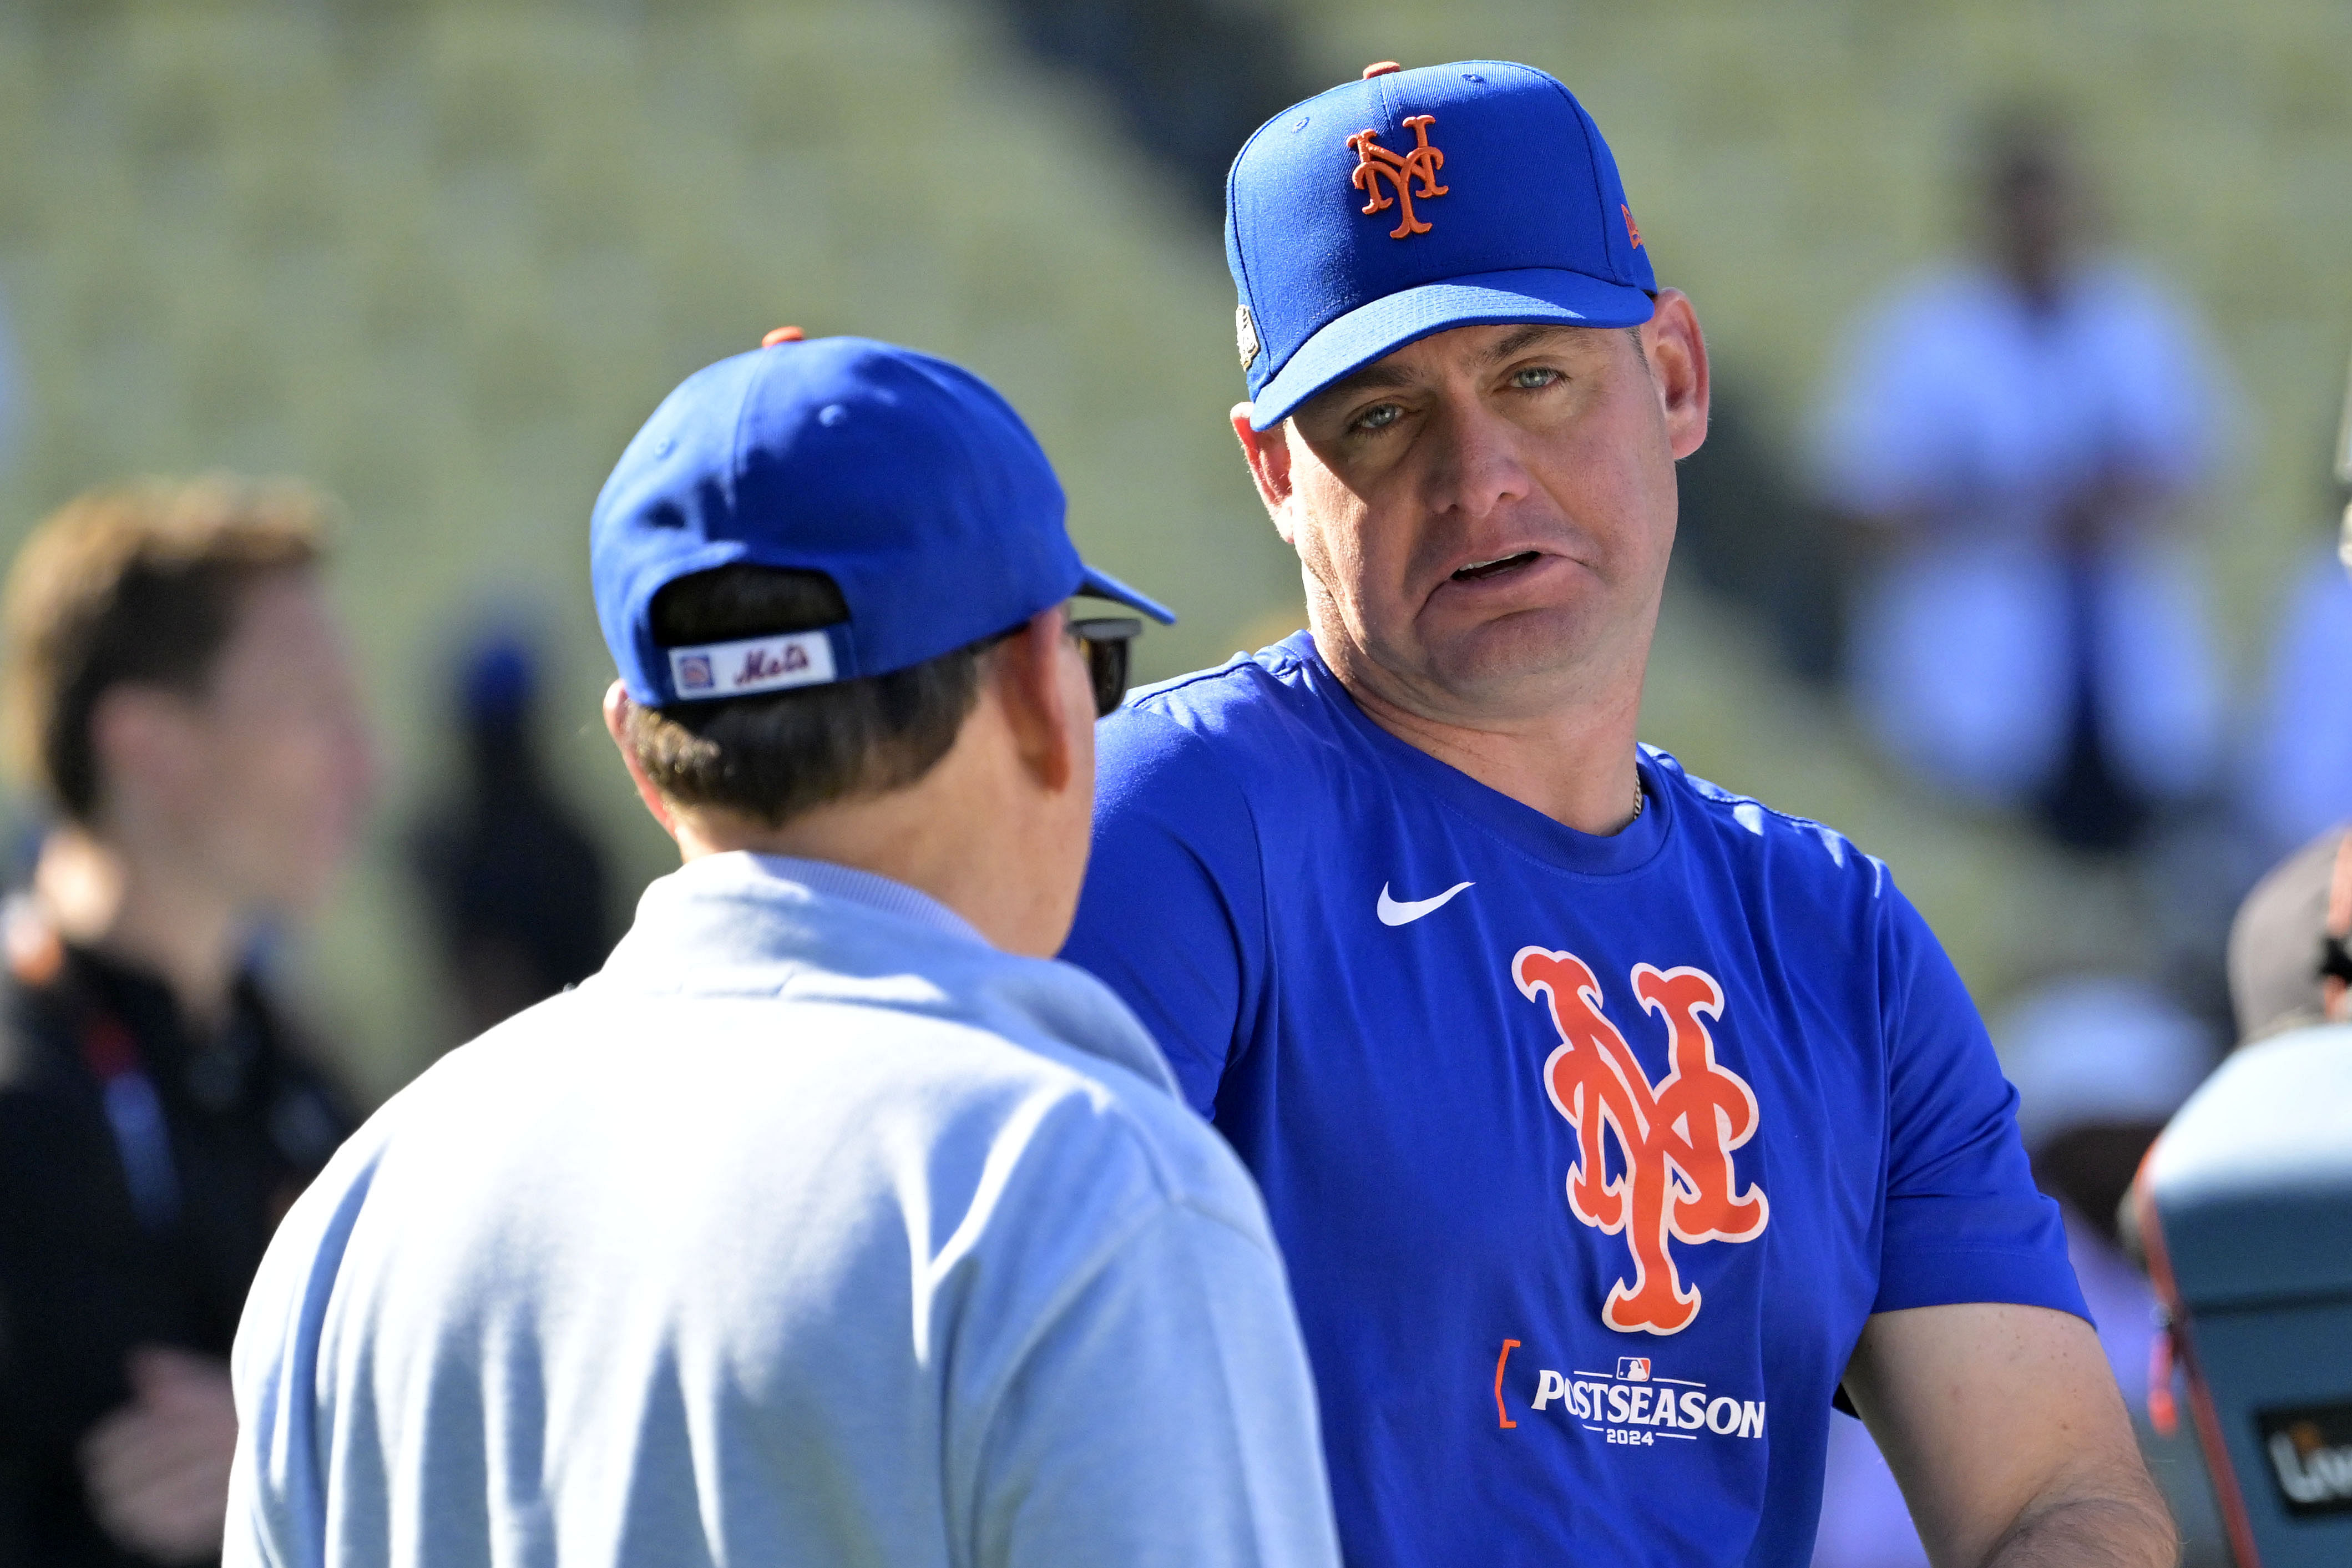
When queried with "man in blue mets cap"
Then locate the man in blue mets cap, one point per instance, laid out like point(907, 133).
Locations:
point(1611, 1123)
point(832, 1221)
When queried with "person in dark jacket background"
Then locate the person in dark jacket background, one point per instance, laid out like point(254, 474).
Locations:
point(178, 689)
point(515, 886)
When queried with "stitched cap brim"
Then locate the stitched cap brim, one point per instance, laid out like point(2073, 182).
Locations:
point(1488, 299)
point(1103, 586)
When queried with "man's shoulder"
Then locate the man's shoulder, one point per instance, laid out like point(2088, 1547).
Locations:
point(1110, 1117)
point(1934, 302)
point(1039, 1058)
point(2124, 290)
point(1252, 715)
point(996, 1058)
point(38, 1054)
point(1767, 845)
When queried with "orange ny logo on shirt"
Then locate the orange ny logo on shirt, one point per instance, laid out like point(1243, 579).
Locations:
point(1677, 1136)
point(1375, 163)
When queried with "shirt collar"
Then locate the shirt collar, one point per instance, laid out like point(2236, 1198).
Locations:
point(848, 883)
point(740, 924)
point(1630, 849)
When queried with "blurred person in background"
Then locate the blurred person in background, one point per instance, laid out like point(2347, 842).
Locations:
point(2301, 782)
point(2010, 437)
point(2291, 944)
point(2289, 963)
point(517, 889)
point(178, 689)
point(2282, 952)
point(2100, 1063)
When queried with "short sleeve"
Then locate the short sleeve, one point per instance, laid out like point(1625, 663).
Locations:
point(1165, 1416)
point(1964, 1221)
point(2173, 406)
point(1172, 916)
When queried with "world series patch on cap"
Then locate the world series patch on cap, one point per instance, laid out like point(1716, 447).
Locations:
point(1412, 202)
point(906, 479)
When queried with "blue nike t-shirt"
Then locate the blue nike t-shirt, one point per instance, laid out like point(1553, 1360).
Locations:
point(1589, 1157)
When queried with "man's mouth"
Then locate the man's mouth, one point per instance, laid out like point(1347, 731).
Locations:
point(1478, 571)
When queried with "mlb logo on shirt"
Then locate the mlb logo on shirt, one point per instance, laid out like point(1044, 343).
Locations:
point(1634, 1369)
point(694, 673)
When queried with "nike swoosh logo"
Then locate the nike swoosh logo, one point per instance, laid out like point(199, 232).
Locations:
point(1395, 913)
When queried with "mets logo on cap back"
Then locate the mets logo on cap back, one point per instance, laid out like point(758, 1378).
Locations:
point(1676, 1182)
point(751, 666)
point(1417, 166)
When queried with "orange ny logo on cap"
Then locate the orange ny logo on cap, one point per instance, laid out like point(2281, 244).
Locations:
point(1375, 163)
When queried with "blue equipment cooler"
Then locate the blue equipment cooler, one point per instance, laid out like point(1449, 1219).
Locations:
point(2245, 1208)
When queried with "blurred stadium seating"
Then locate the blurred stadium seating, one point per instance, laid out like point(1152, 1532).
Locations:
point(443, 256)
point(444, 259)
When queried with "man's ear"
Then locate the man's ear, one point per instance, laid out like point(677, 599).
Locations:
point(1677, 355)
point(1267, 453)
point(1027, 672)
point(142, 738)
point(618, 706)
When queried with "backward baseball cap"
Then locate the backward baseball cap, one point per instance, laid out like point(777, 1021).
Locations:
point(905, 481)
point(1412, 202)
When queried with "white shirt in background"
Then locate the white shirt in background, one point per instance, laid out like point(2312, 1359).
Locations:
point(1969, 422)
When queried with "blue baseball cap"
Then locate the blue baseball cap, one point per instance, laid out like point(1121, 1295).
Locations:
point(903, 479)
point(1416, 201)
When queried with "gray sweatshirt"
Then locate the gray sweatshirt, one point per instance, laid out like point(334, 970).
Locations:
point(812, 1230)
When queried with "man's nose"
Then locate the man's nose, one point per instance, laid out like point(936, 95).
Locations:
point(1475, 463)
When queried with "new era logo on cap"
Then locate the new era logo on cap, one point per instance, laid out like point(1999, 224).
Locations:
point(1412, 202)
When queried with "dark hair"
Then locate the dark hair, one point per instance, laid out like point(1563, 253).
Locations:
point(2023, 145)
point(776, 755)
point(134, 584)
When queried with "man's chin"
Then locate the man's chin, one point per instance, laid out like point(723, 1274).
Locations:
point(294, 897)
point(1529, 659)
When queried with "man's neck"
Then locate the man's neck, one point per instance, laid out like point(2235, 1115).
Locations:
point(1575, 763)
point(958, 834)
point(2038, 282)
point(143, 911)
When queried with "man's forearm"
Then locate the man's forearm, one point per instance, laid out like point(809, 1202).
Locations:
point(2005, 1427)
point(2090, 1532)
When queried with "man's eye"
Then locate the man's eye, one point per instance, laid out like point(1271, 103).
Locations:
point(1380, 417)
point(1532, 378)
